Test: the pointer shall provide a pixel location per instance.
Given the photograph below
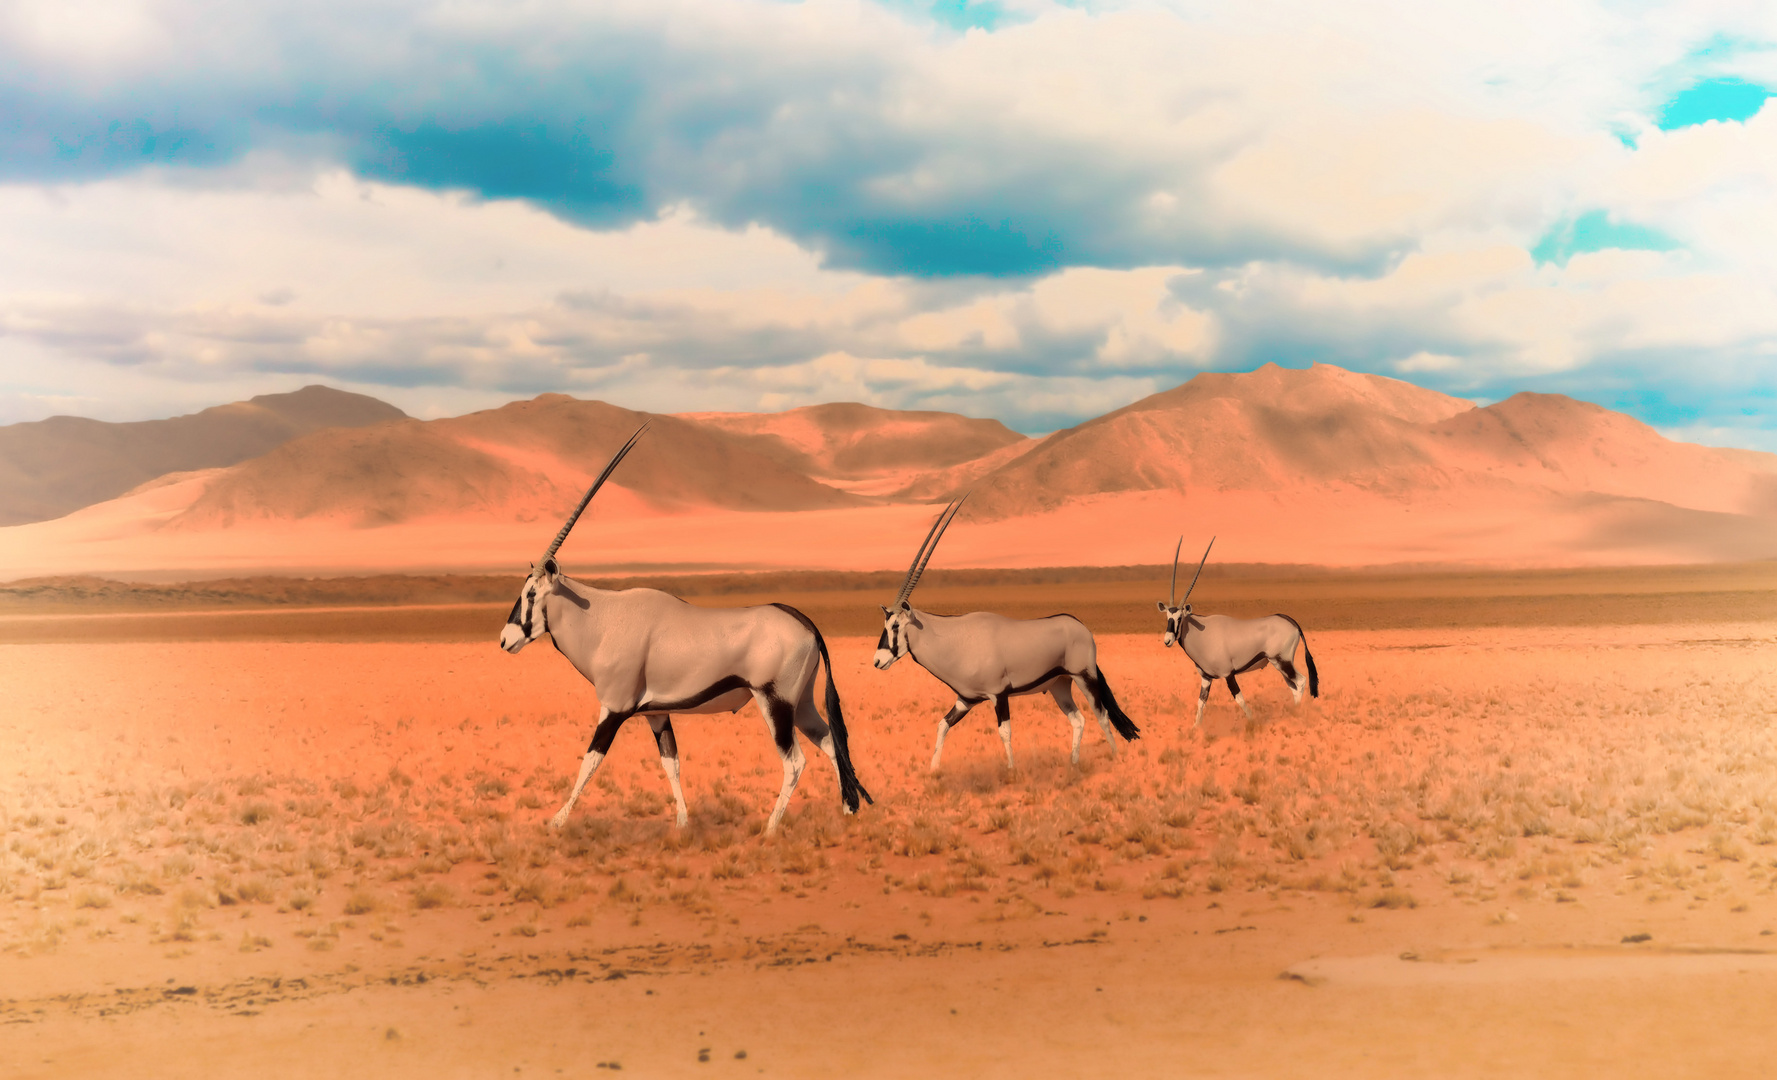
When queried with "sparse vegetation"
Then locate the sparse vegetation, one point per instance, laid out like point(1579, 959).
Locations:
point(1462, 773)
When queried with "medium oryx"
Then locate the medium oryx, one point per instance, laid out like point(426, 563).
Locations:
point(1222, 647)
point(649, 653)
point(982, 656)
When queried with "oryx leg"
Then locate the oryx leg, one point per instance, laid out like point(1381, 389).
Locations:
point(602, 737)
point(945, 723)
point(1234, 688)
point(1104, 717)
point(809, 722)
point(1290, 676)
point(669, 759)
point(1064, 697)
point(780, 719)
point(1002, 714)
point(1202, 698)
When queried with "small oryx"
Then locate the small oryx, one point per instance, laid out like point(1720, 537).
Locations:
point(1222, 647)
point(650, 653)
point(982, 656)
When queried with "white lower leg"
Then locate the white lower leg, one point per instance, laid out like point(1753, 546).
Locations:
point(1202, 700)
point(1078, 723)
point(1104, 725)
point(793, 762)
point(587, 764)
point(938, 750)
point(1006, 737)
point(671, 765)
point(1240, 700)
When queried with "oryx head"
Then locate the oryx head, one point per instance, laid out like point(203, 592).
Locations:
point(1177, 611)
point(529, 621)
point(896, 619)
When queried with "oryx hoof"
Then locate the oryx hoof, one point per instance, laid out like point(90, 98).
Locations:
point(684, 820)
point(559, 821)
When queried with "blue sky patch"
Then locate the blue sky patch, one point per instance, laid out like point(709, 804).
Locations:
point(1713, 99)
point(1596, 230)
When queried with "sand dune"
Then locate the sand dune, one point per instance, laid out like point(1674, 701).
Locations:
point(52, 467)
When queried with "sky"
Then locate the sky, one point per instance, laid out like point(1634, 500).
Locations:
point(1022, 209)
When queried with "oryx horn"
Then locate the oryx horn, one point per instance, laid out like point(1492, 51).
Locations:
point(1172, 587)
point(1199, 573)
point(590, 492)
point(924, 554)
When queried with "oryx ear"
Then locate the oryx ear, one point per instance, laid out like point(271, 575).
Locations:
point(885, 611)
point(1187, 609)
point(550, 569)
point(1161, 604)
point(905, 606)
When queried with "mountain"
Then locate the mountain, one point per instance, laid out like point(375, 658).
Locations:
point(524, 461)
point(1317, 466)
point(1323, 431)
point(866, 450)
point(52, 467)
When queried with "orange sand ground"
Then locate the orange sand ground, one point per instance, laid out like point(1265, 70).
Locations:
point(328, 858)
point(1331, 526)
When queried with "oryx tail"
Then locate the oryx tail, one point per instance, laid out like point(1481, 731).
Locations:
point(1313, 675)
point(1101, 690)
point(849, 787)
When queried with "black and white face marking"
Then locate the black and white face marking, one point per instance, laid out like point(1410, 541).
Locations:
point(528, 622)
point(1175, 617)
point(892, 645)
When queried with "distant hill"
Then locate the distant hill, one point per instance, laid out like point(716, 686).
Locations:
point(868, 450)
point(1323, 430)
point(525, 461)
point(1318, 466)
point(53, 467)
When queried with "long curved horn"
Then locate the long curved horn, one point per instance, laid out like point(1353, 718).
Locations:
point(955, 508)
point(1172, 589)
point(924, 554)
point(590, 492)
point(1199, 573)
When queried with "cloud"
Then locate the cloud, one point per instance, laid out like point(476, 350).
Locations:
point(880, 137)
point(1022, 209)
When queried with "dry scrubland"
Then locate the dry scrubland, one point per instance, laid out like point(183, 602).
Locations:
point(350, 837)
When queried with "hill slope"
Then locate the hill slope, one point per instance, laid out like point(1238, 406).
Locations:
point(525, 461)
point(53, 467)
point(1308, 434)
point(867, 450)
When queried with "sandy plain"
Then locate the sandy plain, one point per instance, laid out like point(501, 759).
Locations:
point(1531, 832)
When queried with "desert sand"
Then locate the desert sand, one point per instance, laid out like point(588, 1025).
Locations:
point(1485, 850)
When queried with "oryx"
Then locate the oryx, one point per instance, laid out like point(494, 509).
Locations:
point(649, 653)
point(982, 656)
point(1222, 647)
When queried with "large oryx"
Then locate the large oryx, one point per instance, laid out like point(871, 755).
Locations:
point(649, 653)
point(982, 656)
point(1222, 647)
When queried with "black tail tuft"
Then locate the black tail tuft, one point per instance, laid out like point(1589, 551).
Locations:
point(1108, 701)
point(1313, 674)
point(850, 789)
